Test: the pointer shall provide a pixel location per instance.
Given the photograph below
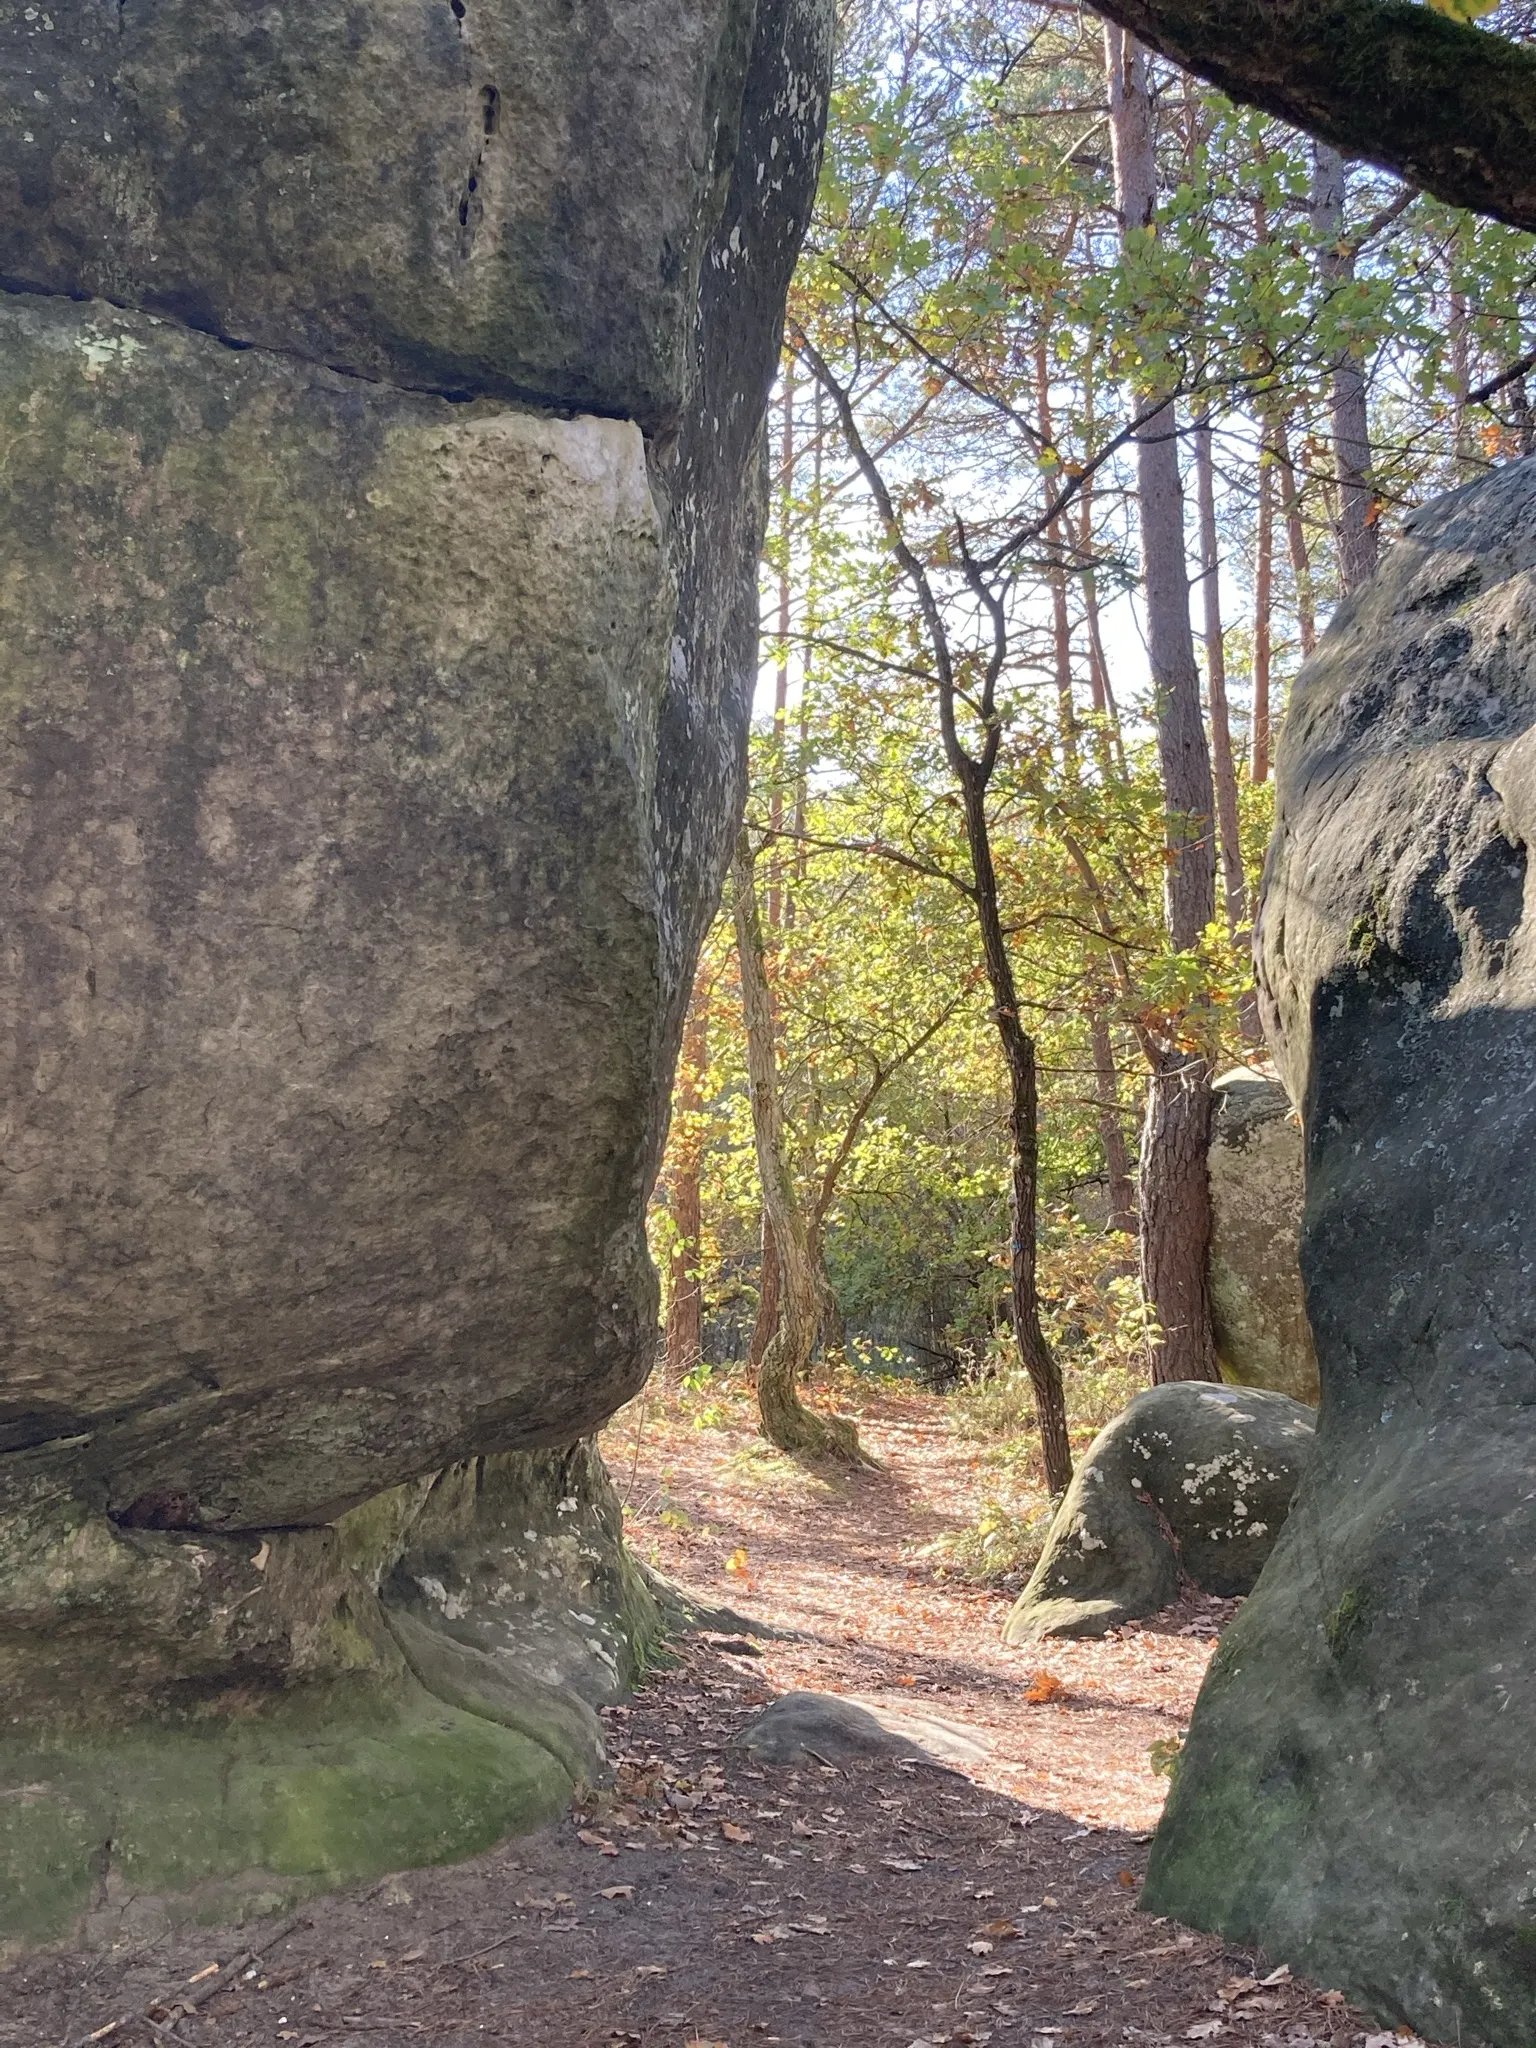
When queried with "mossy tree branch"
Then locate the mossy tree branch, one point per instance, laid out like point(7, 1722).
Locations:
point(1450, 108)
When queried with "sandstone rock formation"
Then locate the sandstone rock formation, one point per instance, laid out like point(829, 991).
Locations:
point(381, 394)
point(1189, 1484)
point(1258, 1310)
point(1358, 1787)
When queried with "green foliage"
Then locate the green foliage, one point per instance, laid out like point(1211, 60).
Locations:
point(966, 287)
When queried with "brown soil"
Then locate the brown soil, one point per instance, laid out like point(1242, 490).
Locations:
point(709, 1902)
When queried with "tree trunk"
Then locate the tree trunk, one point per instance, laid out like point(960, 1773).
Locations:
point(1061, 622)
point(1103, 693)
point(1175, 1202)
point(1024, 1137)
point(785, 1420)
point(684, 1346)
point(1296, 539)
point(1357, 543)
point(1233, 883)
point(1117, 1157)
point(766, 1321)
point(776, 906)
point(1176, 1218)
point(1263, 614)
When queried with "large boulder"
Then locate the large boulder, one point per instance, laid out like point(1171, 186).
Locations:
point(1258, 1309)
point(375, 725)
point(1358, 1790)
point(1190, 1484)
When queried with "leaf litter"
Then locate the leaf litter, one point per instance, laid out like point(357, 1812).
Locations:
point(828, 1905)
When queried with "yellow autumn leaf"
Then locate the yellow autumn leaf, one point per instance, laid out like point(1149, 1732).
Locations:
point(1463, 10)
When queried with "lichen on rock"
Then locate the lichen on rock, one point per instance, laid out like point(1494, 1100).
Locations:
point(1189, 1486)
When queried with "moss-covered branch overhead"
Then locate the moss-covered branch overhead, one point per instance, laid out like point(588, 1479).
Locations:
point(1450, 108)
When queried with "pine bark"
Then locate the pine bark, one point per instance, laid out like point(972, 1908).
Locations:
point(1175, 1200)
point(1234, 885)
point(1117, 1154)
point(1356, 519)
point(1296, 541)
point(1263, 615)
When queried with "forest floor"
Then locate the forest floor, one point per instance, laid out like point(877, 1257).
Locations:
point(713, 1904)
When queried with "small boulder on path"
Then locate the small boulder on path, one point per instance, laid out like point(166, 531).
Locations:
point(828, 1728)
point(1191, 1484)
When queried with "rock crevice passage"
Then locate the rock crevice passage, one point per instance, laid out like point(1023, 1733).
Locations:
point(380, 412)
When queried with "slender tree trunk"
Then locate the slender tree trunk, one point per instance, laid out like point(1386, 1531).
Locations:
point(684, 1345)
point(1024, 1139)
point(1066, 712)
point(1225, 770)
point(1103, 694)
point(766, 1321)
point(781, 671)
point(1263, 613)
point(785, 1420)
point(1296, 540)
point(1117, 1157)
point(1461, 384)
point(1175, 1203)
point(1357, 544)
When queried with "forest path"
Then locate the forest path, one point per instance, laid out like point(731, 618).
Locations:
point(709, 1902)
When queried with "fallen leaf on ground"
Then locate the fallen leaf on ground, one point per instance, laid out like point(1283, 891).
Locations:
point(617, 1891)
point(1043, 1687)
point(1280, 1976)
point(732, 1833)
point(593, 1841)
point(979, 1948)
point(1203, 2030)
point(1081, 2011)
point(898, 1863)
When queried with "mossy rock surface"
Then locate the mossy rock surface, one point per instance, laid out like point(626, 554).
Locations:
point(199, 1818)
point(1191, 1484)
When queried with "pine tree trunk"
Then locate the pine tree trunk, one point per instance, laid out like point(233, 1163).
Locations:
point(1117, 1156)
point(1176, 1218)
point(1357, 543)
point(1296, 539)
point(1233, 882)
point(785, 1420)
point(1263, 614)
point(1175, 1200)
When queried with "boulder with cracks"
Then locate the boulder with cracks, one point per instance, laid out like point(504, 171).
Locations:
point(1357, 1793)
point(381, 411)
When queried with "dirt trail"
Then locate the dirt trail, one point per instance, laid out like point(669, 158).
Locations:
point(713, 1902)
